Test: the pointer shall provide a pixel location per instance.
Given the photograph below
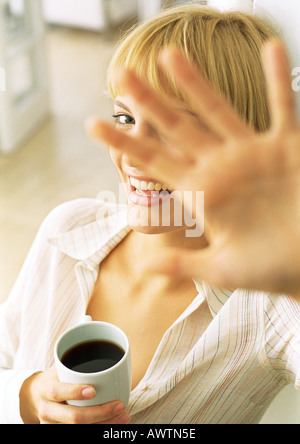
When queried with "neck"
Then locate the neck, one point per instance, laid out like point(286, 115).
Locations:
point(156, 243)
point(142, 246)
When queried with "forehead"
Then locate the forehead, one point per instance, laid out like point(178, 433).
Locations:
point(153, 76)
point(144, 62)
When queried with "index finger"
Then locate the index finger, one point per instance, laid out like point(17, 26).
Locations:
point(217, 112)
point(63, 391)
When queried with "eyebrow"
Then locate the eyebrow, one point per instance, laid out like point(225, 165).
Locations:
point(187, 111)
point(121, 105)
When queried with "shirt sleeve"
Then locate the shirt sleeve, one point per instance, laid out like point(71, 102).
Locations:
point(11, 317)
point(38, 305)
point(282, 315)
point(11, 380)
point(23, 305)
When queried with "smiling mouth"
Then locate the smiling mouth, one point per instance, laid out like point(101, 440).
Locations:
point(144, 187)
point(147, 193)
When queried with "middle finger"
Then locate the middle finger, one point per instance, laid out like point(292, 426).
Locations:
point(174, 120)
point(219, 115)
point(59, 413)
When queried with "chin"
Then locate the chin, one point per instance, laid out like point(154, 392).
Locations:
point(150, 220)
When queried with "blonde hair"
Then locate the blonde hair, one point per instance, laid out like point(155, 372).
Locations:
point(225, 46)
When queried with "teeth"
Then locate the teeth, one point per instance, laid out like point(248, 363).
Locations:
point(144, 185)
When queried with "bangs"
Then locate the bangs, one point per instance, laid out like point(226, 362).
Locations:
point(139, 52)
point(226, 47)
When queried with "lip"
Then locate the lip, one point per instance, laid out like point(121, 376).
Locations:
point(132, 172)
point(148, 198)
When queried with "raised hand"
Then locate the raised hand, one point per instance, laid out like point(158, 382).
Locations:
point(251, 181)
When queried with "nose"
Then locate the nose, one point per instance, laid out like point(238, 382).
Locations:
point(132, 163)
point(140, 130)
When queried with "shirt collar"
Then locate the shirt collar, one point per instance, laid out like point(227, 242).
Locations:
point(93, 241)
point(216, 297)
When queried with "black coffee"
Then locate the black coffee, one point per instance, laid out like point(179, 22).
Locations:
point(92, 356)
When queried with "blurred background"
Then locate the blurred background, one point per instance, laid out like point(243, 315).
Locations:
point(53, 60)
point(53, 55)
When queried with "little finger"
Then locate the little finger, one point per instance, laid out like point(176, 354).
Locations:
point(219, 115)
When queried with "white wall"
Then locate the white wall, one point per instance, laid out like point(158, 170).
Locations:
point(285, 14)
point(88, 14)
point(225, 5)
point(148, 9)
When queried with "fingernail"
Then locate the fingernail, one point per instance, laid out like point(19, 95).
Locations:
point(88, 393)
point(119, 408)
point(124, 419)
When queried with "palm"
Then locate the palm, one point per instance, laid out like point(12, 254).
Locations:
point(240, 209)
point(256, 224)
point(251, 181)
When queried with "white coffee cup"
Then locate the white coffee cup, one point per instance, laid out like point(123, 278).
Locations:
point(111, 384)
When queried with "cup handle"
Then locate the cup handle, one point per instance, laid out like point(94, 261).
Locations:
point(86, 319)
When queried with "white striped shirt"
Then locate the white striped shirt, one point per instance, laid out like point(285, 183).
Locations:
point(222, 361)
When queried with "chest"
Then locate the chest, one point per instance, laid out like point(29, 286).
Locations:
point(143, 311)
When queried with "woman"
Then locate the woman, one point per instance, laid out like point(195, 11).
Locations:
point(199, 354)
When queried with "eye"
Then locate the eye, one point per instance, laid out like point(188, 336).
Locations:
point(123, 119)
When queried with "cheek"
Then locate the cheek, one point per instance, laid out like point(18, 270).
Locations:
point(116, 157)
